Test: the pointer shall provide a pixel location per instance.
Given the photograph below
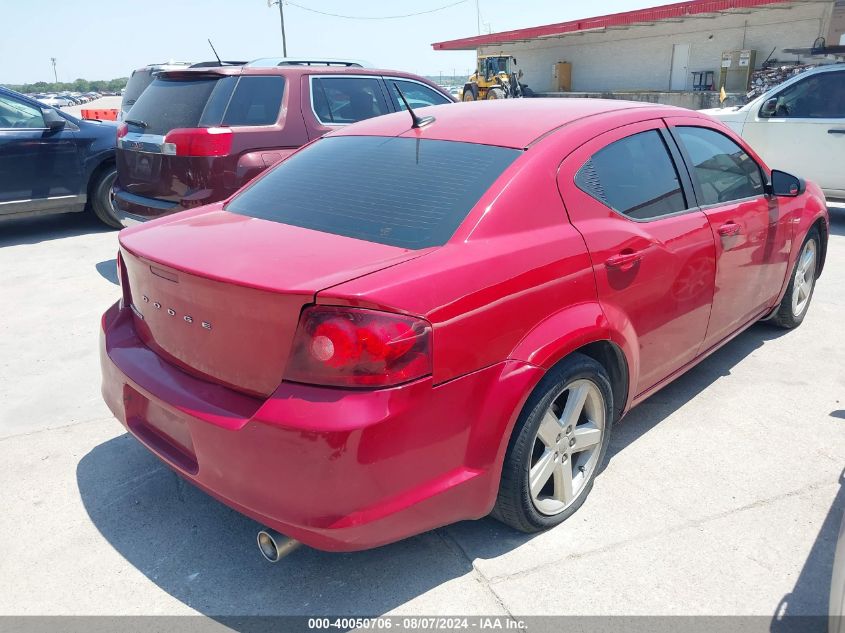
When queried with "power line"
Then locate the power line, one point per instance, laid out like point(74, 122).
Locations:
point(382, 17)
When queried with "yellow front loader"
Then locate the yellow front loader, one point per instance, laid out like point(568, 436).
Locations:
point(495, 77)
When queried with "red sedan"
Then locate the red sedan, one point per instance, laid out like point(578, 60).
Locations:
point(401, 327)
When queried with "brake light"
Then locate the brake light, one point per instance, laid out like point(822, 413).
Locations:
point(200, 141)
point(354, 347)
point(122, 130)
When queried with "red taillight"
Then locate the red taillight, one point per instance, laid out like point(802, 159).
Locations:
point(354, 347)
point(122, 130)
point(200, 141)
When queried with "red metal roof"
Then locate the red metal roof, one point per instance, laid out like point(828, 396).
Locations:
point(628, 18)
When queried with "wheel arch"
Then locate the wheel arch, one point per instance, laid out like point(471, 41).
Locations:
point(106, 163)
point(824, 233)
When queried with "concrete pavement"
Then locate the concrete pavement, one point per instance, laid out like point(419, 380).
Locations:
point(722, 495)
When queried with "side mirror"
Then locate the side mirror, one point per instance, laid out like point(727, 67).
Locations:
point(769, 107)
point(53, 120)
point(784, 184)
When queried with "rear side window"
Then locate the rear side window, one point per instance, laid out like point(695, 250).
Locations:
point(634, 176)
point(397, 191)
point(417, 94)
point(256, 101)
point(170, 103)
point(343, 100)
point(723, 170)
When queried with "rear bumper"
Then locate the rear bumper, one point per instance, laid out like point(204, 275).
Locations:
point(135, 208)
point(336, 469)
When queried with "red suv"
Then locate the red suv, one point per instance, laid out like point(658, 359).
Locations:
point(196, 135)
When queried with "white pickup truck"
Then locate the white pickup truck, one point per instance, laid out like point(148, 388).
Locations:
point(799, 126)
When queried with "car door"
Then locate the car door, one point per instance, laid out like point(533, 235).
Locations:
point(806, 134)
point(751, 231)
point(38, 167)
point(652, 250)
point(330, 101)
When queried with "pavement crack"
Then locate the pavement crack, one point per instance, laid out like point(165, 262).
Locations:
point(685, 525)
point(56, 428)
point(453, 544)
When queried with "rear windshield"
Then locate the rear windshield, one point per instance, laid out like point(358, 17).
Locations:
point(168, 104)
point(208, 101)
point(397, 191)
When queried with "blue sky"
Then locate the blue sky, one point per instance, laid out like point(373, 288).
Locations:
point(106, 39)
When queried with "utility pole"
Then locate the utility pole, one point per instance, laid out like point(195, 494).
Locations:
point(270, 3)
point(478, 16)
point(55, 75)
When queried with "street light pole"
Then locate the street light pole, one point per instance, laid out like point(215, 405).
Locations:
point(55, 75)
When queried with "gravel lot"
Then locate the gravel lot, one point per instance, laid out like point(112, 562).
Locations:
point(722, 496)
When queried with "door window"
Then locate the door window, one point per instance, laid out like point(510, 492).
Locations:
point(343, 100)
point(417, 94)
point(723, 170)
point(634, 176)
point(17, 114)
point(820, 96)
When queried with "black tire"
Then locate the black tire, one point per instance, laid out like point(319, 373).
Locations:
point(100, 197)
point(785, 315)
point(514, 504)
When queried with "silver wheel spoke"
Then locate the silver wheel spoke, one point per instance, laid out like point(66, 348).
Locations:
point(540, 472)
point(574, 404)
point(586, 436)
point(563, 482)
point(561, 442)
point(550, 428)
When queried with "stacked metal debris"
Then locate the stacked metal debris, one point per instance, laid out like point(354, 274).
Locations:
point(773, 73)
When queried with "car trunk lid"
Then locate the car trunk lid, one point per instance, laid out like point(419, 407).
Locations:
point(219, 295)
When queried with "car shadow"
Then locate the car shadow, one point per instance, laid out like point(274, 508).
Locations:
point(108, 270)
point(810, 595)
point(49, 227)
point(204, 554)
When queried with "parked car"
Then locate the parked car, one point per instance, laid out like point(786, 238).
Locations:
point(197, 135)
point(400, 327)
point(57, 101)
point(799, 125)
point(138, 82)
point(52, 162)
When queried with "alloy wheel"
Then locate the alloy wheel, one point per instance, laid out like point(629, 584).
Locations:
point(566, 447)
point(805, 277)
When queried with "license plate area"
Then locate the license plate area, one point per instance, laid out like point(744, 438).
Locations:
point(165, 433)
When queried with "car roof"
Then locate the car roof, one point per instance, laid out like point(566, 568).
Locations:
point(287, 71)
point(513, 123)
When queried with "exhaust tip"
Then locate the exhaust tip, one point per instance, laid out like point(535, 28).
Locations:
point(275, 546)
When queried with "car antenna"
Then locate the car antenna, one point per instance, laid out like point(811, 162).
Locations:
point(417, 121)
point(215, 52)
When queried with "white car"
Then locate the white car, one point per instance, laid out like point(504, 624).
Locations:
point(799, 126)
